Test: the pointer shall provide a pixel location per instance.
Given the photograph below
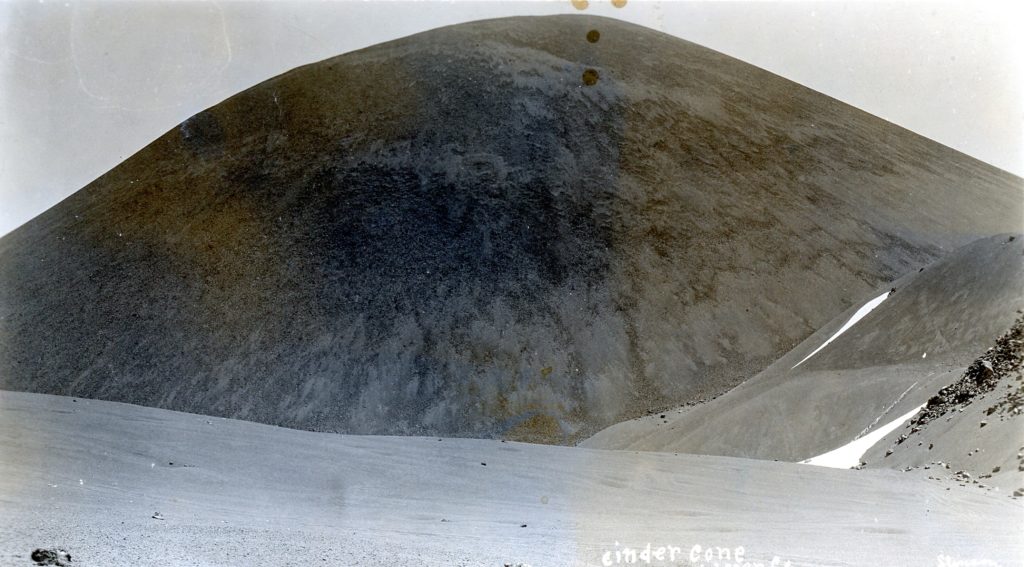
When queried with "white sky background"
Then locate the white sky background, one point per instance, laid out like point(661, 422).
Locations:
point(85, 85)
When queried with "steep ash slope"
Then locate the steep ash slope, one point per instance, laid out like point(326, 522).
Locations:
point(972, 429)
point(466, 232)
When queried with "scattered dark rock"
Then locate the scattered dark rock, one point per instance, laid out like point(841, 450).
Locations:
point(523, 526)
point(51, 557)
point(981, 377)
point(484, 464)
point(158, 516)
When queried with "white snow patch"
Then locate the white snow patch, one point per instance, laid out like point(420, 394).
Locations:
point(860, 314)
point(848, 456)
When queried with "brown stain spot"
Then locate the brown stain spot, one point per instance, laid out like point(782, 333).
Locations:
point(580, 4)
point(590, 77)
point(546, 371)
point(593, 36)
point(619, 3)
point(540, 428)
point(503, 407)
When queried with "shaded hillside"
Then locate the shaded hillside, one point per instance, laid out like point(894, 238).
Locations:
point(916, 341)
point(496, 228)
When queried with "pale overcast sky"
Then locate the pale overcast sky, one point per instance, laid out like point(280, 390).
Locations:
point(85, 85)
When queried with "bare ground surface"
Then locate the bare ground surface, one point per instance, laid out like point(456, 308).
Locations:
point(89, 476)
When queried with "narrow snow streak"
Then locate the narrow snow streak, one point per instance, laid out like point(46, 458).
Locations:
point(887, 410)
point(860, 314)
point(848, 456)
